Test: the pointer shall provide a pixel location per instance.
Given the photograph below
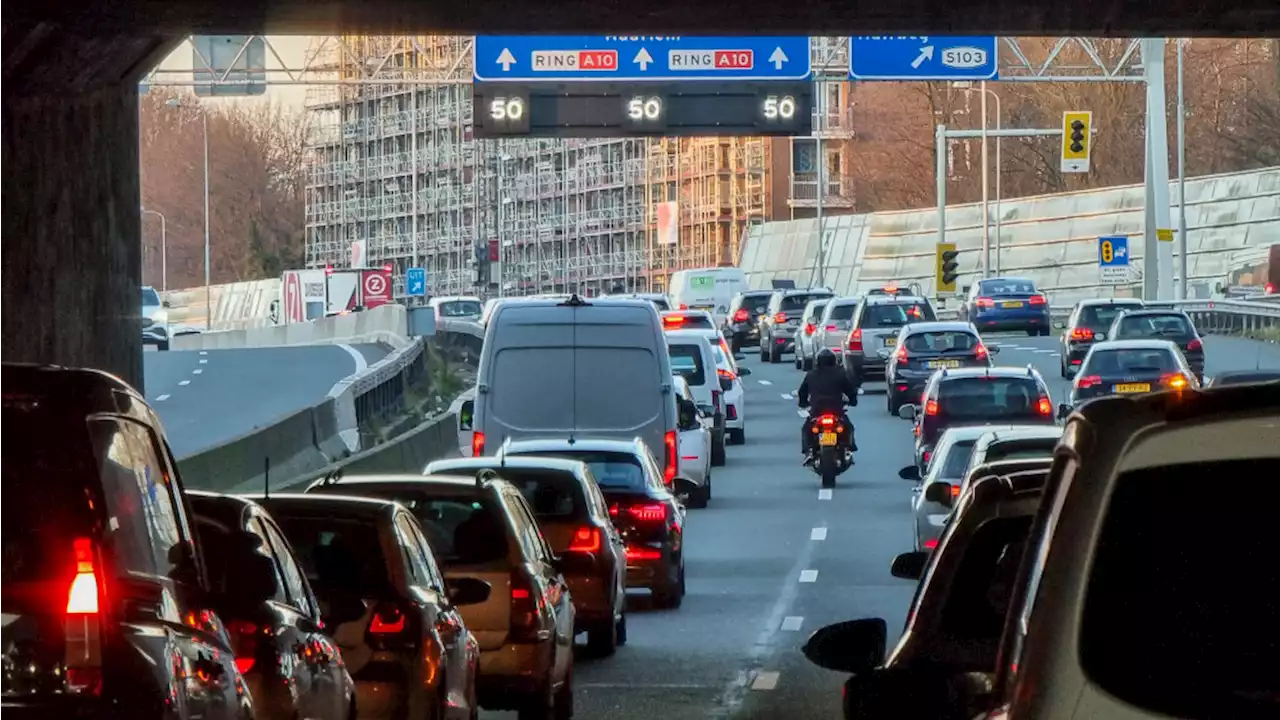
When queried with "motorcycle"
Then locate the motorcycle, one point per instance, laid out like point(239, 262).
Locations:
point(832, 454)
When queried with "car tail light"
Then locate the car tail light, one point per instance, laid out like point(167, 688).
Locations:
point(955, 491)
point(980, 352)
point(1177, 381)
point(827, 421)
point(1037, 300)
point(931, 407)
point(780, 318)
point(670, 459)
point(649, 512)
point(985, 302)
point(855, 340)
point(477, 443)
point(726, 374)
point(639, 553)
point(930, 544)
point(585, 539)
point(682, 306)
point(810, 328)
point(82, 624)
point(524, 606)
point(1044, 407)
point(731, 412)
point(387, 620)
point(1269, 288)
point(927, 455)
point(741, 315)
point(1084, 334)
point(832, 328)
point(1195, 345)
point(715, 399)
point(244, 638)
point(1087, 381)
point(902, 353)
point(672, 320)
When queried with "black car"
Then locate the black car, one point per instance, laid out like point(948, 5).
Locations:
point(107, 610)
point(977, 396)
point(743, 324)
point(1172, 325)
point(1007, 303)
point(1090, 321)
point(923, 349)
point(1128, 367)
point(293, 668)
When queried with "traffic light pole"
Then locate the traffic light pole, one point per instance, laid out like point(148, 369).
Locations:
point(1157, 275)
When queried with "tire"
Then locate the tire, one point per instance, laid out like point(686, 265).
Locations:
point(622, 630)
point(735, 345)
point(891, 402)
point(827, 462)
point(1062, 368)
point(562, 703)
point(602, 640)
point(799, 363)
point(717, 449)
point(163, 347)
point(671, 596)
point(736, 437)
point(764, 352)
point(775, 355)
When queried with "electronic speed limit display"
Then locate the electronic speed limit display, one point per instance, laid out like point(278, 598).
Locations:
point(579, 109)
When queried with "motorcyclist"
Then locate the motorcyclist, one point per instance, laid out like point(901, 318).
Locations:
point(823, 390)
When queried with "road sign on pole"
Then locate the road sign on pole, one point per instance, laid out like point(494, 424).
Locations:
point(1113, 260)
point(1076, 141)
point(923, 57)
point(415, 282)
point(601, 58)
point(947, 268)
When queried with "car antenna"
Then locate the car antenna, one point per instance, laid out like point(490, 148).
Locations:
point(266, 477)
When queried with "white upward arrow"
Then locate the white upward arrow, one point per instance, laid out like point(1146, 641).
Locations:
point(506, 59)
point(777, 58)
point(643, 58)
point(926, 53)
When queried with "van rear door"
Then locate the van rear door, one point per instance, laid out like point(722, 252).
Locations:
point(623, 374)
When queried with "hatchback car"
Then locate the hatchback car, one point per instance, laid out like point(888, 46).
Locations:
point(393, 614)
point(1020, 442)
point(1126, 367)
point(924, 348)
point(693, 360)
point(835, 323)
point(875, 327)
point(735, 394)
point(1089, 322)
point(742, 327)
point(807, 338)
point(977, 396)
point(694, 442)
point(1006, 303)
point(644, 509)
point(1172, 325)
point(107, 607)
point(782, 320)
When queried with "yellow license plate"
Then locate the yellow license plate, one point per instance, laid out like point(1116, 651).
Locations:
point(1133, 388)
point(891, 341)
point(827, 440)
point(1012, 304)
point(935, 364)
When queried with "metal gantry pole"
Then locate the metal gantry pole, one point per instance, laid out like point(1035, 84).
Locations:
point(1157, 261)
point(986, 183)
point(208, 288)
point(940, 170)
point(1182, 182)
point(822, 167)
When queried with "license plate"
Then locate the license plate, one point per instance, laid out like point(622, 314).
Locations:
point(936, 364)
point(1133, 388)
point(1011, 304)
point(890, 341)
point(827, 440)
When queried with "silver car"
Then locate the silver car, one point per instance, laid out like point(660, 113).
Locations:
point(875, 327)
point(806, 338)
point(155, 319)
point(835, 323)
point(782, 319)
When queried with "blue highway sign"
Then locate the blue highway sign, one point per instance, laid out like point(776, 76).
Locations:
point(1113, 259)
point(923, 57)
point(415, 281)
point(601, 58)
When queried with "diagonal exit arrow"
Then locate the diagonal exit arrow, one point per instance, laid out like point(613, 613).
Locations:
point(926, 53)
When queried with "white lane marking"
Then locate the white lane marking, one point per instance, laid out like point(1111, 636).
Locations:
point(787, 396)
point(197, 371)
point(203, 361)
point(765, 681)
point(818, 534)
point(764, 382)
point(802, 413)
point(162, 398)
point(824, 494)
point(204, 352)
point(808, 576)
point(792, 623)
point(184, 382)
point(361, 363)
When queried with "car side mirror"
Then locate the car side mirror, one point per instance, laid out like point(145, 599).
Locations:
point(466, 415)
point(939, 492)
point(884, 353)
point(726, 384)
point(684, 488)
point(1064, 411)
point(993, 350)
point(743, 372)
point(467, 591)
point(853, 646)
point(165, 303)
point(909, 565)
point(910, 472)
point(907, 412)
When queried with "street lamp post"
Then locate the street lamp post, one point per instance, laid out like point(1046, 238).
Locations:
point(164, 250)
point(986, 232)
point(208, 288)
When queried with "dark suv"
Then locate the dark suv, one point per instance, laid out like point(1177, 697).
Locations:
point(742, 327)
point(782, 320)
point(1089, 322)
point(107, 612)
point(977, 396)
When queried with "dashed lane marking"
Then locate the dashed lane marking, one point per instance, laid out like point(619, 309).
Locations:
point(765, 681)
point(788, 396)
point(792, 623)
point(802, 413)
point(162, 398)
point(818, 534)
point(197, 371)
point(824, 494)
point(765, 382)
point(184, 382)
point(203, 361)
point(808, 576)
point(204, 352)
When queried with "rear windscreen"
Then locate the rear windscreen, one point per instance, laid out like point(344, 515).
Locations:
point(1006, 287)
point(461, 308)
point(617, 389)
point(686, 361)
point(842, 312)
point(792, 303)
point(1100, 317)
point(517, 401)
point(957, 460)
point(612, 470)
point(553, 494)
point(661, 304)
point(1019, 453)
point(756, 304)
point(983, 398)
point(337, 554)
point(941, 342)
point(815, 312)
point(1180, 615)
point(1165, 327)
point(896, 314)
point(1124, 362)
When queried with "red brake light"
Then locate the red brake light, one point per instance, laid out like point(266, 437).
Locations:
point(387, 621)
point(855, 340)
point(1195, 345)
point(244, 638)
point(931, 407)
point(1269, 288)
point(1082, 333)
point(810, 328)
point(682, 307)
point(652, 512)
point(902, 353)
point(670, 457)
point(985, 302)
point(635, 553)
point(980, 352)
point(328, 269)
point(930, 544)
point(1044, 407)
point(524, 606)
point(741, 315)
point(1037, 300)
point(955, 491)
point(672, 320)
point(82, 598)
point(927, 454)
point(1088, 381)
point(780, 317)
point(585, 539)
point(827, 420)
point(726, 374)
point(83, 657)
point(1178, 381)
point(477, 443)
point(832, 328)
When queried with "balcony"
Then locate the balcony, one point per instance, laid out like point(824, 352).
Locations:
point(835, 124)
point(804, 192)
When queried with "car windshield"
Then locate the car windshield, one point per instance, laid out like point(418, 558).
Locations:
point(686, 361)
point(1155, 326)
point(941, 341)
point(1124, 362)
point(792, 303)
point(612, 470)
point(150, 296)
point(896, 314)
point(957, 460)
point(461, 308)
point(1099, 317)
point(988, 398)
point(1007, 287)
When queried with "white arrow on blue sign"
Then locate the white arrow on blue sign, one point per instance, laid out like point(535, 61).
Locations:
point(415, 281)
point(923, 57)
point(608, 58)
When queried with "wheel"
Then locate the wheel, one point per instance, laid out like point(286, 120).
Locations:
point(622, 630)
point(892, 402)
point(775, 355)
point(737, 437)
point(717, 449)
point(808, 364)
point(698, 498)
point(1062, 365)
point(1033, 332)
point(799, 364)
point(602, 640)
point(671, 596)
point(562, 703)
point(827, 463)
point(764, 352)
point(735, 345)
point(163, 347)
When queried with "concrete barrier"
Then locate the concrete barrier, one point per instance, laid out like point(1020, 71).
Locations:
point(386, 324)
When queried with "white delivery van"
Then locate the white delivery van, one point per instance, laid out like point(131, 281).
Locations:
point(579, 368)
point(710, 289)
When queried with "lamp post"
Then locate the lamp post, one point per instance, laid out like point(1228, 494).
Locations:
point(986, 232)
point(164, 250)
point(208, 291)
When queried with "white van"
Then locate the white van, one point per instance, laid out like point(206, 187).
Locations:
point(693, 359)
point(575, 368)
point(710, 289)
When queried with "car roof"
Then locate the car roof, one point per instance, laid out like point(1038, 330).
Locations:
point(515, 447)
point(939, 326)
point(1009, 371)
point(960, 433)
point(1131, 302)
point(1135, 344)
point(846, 300)
point(753, 293)
point(894, 300)
point(1022, 432)
point(326, 505)
point(1150, 311)
point(679, 336)
point(802, 291)
point(684, 313)
point(475, 464)
point(1007, 278)
point(80, 391)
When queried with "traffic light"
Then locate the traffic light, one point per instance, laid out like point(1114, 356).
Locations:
point(947, 268)
point(1076, 141)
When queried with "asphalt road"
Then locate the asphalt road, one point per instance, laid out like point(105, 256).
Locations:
point(207, 397)
point(773, 559)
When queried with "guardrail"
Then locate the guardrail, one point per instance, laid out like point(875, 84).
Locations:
point(1257, 319)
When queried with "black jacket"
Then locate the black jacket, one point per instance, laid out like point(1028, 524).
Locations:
point(824, 389)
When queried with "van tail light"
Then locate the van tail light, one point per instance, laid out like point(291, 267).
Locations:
point(931, 407)
point(980, 352)
point(1037, 300)
point(585, 539)
point(1195, 345)
point(477, 443)
point(855, 340)
point(1044, 407)
point(810, 328)
point(780, 318)
point(902, 353)
point(985, 302)
point(1177, 381)
point(1082, 334)
point(524, 607)
point(244, 638)
point(83, 623)
point(1085, 382)
point(670, 457)
point(741, 315)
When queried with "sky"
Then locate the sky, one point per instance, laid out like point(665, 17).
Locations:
point(292, 50)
